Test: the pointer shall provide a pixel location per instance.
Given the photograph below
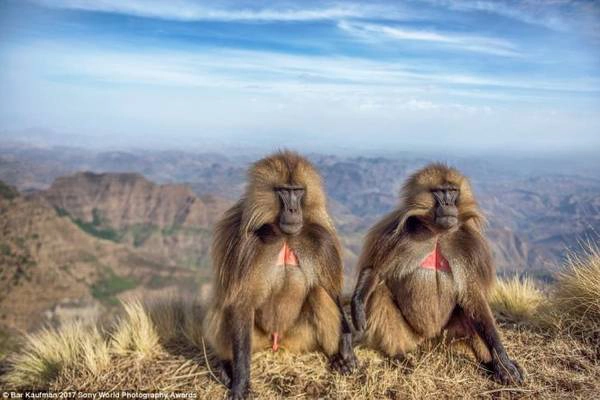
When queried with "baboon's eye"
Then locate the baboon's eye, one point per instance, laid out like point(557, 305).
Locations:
point(299, 192)
point(290, 190)
point(445, 194)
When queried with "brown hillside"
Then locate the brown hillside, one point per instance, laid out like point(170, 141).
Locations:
point(167, 221)
point(121, 200)
point(51, 270)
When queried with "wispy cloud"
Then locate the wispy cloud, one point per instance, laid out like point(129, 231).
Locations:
point(559, 15)
point(480, 44)
point(342, 68)
point(185, 10)
point(272, 71)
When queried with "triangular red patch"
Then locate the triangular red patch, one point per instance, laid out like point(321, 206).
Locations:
point(436, 261)
point(286, 256)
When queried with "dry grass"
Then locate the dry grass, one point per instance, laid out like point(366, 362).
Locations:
point(575, 300)
point(135, 332)
point(47, 353)
point(158, 346)
point(557, 368)
point(517, 300)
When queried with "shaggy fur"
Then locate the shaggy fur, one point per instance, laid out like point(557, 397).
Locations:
point(300, 303)
point(404, 303)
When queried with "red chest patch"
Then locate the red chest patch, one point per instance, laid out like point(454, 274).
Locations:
point(436, 261)
point(286, 256)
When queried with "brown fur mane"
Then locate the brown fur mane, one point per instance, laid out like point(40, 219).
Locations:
point(388, 237)
point(236, 241)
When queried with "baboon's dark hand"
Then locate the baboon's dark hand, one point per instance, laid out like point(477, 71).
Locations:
point(236, 396)
point(359, 316)
point(238, 393)
point(344, 363)
point(507, 371)
point(223, 372)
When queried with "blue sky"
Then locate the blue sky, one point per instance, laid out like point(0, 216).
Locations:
point(429, 74)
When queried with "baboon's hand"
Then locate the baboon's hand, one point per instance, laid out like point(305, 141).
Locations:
point(223, 372)
point(238, 393)
point(359, 316)
point(507, 371)
point(344, 363)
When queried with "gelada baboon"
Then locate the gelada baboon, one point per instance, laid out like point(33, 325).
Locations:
point(278, 273)
point(426, 268)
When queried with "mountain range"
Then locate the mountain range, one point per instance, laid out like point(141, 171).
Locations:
point(81, 229)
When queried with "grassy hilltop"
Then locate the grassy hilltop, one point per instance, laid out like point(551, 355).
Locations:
point(554, 334)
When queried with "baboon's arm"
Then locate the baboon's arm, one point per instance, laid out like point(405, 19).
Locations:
point(478, 311)
point(346, 350)
point(367, 280)
point(240, 321)
point(482, 320)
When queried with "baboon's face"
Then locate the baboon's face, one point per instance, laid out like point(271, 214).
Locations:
point(290, 214)
point(445, 208)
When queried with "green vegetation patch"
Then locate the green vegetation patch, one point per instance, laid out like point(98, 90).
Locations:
point(97, 231)
point(186, 230)
point(94, 227)
point(7, 191)
point(8, 343)
point(5, 249)
point(142, 232)
point(61, 212)
point(111, 285)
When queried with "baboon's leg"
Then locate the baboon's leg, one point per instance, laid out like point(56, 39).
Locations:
point(345, 360)
point(325, 317)
point(332, 329)
point(460, 328)
point(367, 281)
point(215, 334)
point(222, 369)
point(479, 315)
point(301, 338)
point(239, 320)
point(387, 330)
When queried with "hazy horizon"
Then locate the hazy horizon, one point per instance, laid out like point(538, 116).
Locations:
point(418, 76)
point(521, 162)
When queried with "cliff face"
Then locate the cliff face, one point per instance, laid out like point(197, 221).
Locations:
point(91, 237)
point(537, 209)
point(41, 262)
point(50, 269)
point(122, 200)
point(54, 266)
point(167, 221)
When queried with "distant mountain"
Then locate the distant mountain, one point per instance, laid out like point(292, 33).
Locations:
point(72, 242)
point(537, 208)
point(167, 221)
point(52, 270)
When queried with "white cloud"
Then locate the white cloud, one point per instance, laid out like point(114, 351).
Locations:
point(480, 44)
point(258, 95)
point(559, 15)
point(125, 87)
point(186, 10)
point(264, 71)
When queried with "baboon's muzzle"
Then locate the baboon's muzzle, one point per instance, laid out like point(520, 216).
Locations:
point(290, 216)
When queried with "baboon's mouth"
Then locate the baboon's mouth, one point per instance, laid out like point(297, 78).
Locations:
point(290, 229)
point(446, 221)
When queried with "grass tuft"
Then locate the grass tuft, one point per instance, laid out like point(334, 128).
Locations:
point(158, 346)
point(516, 300)
point(135, 332)
point(49, 351)
point(576, 295)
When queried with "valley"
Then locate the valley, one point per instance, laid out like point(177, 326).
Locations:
point(82, 229)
